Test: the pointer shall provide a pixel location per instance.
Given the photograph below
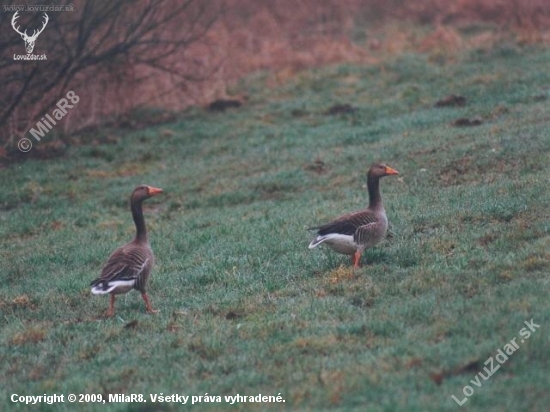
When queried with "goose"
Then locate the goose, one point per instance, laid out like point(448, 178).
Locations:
point(352, 233)
point(130, 265)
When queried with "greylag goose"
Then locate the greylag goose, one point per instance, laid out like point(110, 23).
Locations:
point(130, 265)
point(352, 233)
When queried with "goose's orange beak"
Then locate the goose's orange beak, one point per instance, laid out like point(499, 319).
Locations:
point(391, 171)
point(153, 190)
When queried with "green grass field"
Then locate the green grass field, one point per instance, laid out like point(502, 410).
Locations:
point(245, 307)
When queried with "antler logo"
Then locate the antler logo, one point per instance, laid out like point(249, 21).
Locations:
point(29, 40)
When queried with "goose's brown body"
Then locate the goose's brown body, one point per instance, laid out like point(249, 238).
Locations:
point(352, 233)
point(129, 266)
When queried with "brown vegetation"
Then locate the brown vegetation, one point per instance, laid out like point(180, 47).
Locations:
point(217, 48)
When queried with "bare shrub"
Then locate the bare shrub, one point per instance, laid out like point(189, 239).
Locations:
point(109, 53)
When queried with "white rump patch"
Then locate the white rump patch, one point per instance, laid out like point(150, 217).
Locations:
point(112, 285)
point(316, 241)
point(338, 242)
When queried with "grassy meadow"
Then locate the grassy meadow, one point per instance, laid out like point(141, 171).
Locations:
point(245, 307)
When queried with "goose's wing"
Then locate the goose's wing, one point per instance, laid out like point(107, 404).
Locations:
point(127, 262)
point(367, 233)
point(347, 224)
point(123, 268)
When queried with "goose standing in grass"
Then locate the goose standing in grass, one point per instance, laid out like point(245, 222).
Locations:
point(130, 265)
point(352, 233)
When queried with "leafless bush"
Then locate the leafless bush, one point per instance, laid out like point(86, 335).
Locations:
point(106, 52)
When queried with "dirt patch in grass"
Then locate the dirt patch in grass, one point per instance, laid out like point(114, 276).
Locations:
point(469, 368)
point(536, 262)
point(268, 191)
point(456, 172)
point(466, 122)
point(452, 100)
point(469, 169)
point(317, 166)
point(19, 302)
point(340, 109)
point(299, 113)
point(31, 335)
point(487, 239)
point(222, 105)
point(233, 315)
point(341, 274)
point(204, 349)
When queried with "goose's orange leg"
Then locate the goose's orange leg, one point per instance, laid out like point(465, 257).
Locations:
point(148, 303)
point(356, 260)
point(111, 310)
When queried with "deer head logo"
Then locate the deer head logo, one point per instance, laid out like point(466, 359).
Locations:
point(29, 40)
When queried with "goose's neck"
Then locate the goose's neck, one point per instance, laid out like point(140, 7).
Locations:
point(139, 220)
point(375, 200)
